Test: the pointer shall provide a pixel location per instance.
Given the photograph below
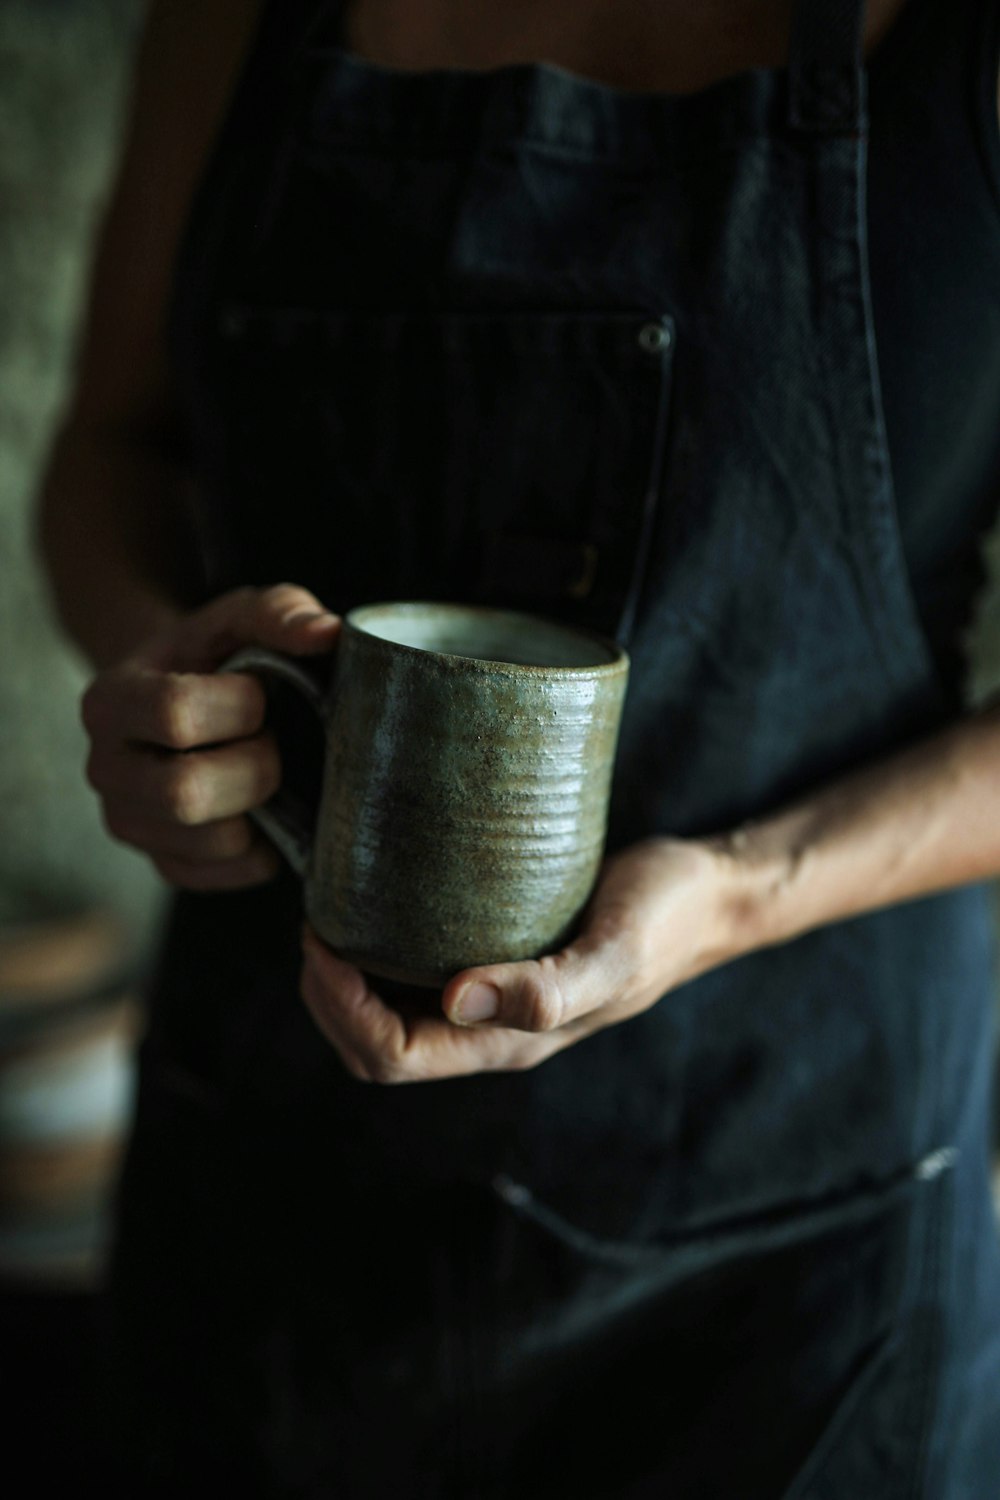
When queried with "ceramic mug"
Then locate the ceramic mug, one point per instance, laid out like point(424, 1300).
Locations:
point(466, 781)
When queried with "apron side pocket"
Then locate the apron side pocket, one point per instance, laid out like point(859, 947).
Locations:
point(808, 1337)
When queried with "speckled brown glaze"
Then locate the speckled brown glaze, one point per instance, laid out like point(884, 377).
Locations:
point(465, 799)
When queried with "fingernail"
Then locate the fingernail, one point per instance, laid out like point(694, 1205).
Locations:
point(309, 617)
point(480, 1002)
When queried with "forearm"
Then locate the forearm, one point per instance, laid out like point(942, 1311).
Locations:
point(116, 540)
point(924, 820)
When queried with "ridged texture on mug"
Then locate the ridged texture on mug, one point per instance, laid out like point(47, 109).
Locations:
point(473, 828)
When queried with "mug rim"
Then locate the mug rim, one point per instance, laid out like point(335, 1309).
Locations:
point(618, 657)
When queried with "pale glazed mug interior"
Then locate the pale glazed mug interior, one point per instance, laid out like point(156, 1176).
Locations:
point(489, 635)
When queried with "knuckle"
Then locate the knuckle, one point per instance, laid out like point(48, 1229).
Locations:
point(542, 1002)
point(174, 712)
point(274, 592)
point(278, 598)
point(184, 794)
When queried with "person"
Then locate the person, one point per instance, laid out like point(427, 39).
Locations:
point(679, 323)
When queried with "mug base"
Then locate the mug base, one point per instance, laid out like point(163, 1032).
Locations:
point(422, 979)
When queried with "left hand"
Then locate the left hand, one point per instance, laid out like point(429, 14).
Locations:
point(663, 911)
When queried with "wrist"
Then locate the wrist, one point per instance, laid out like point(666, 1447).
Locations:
point(761, 870)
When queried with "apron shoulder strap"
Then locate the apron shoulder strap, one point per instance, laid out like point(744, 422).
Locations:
point(826, 87)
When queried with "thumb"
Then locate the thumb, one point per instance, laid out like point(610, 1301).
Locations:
point(543, 994)
point(283, 617)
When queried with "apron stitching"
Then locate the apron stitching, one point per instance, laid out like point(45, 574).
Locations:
point(653, 498)
point(927, 1380)
point(814, 1215)
point(907, 643)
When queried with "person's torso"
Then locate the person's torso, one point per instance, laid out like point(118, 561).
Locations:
point(518, 337)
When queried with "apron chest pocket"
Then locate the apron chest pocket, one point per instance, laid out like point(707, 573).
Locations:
point(506, 458)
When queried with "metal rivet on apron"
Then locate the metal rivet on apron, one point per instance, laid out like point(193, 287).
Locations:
point(511, 1192)
point(654, 338)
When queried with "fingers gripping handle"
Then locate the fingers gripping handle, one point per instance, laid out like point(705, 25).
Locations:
point(285, 822)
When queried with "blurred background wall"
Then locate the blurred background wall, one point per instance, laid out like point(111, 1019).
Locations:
point(63, 68)
point(78, 914)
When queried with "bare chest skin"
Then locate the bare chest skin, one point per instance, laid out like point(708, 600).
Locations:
point(671, 45)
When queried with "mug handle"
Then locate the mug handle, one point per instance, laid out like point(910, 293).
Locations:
point(283, 819)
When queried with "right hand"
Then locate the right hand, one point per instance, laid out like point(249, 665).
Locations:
point(179, 753)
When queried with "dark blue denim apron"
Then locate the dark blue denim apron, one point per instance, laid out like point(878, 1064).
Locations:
point(522, 338)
